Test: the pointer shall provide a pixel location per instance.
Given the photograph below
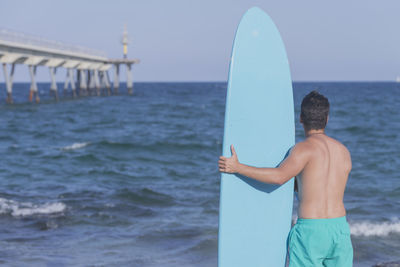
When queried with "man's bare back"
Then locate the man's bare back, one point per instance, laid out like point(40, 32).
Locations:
point(323, 180)
point(321, 165)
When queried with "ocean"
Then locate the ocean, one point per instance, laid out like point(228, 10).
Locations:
point(133, 180)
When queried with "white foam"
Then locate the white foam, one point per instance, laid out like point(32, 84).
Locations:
point(367, 228)
point(20, 209)
point(75, 146)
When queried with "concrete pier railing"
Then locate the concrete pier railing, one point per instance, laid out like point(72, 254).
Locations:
point(87, 69)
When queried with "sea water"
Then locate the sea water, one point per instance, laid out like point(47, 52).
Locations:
point(133, 180)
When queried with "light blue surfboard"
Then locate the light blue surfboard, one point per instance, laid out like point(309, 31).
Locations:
point(255, 218)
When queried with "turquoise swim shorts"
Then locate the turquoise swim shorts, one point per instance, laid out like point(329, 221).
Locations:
point(320, 242)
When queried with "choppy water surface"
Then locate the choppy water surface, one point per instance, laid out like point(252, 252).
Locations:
point(133, 180)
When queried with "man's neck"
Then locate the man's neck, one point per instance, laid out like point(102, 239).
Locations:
point(314, 132)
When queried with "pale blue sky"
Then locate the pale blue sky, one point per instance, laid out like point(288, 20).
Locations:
point(189, 40)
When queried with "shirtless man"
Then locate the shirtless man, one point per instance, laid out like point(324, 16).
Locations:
point(321, 165)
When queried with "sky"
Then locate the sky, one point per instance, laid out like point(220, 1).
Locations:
point(187, 40)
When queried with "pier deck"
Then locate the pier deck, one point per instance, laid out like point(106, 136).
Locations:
point(87, 69)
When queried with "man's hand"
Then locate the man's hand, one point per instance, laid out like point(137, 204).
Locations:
point(229, 165)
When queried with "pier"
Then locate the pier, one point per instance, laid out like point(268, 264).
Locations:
point(87, 69)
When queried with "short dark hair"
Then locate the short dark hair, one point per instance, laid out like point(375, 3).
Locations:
point(314, 111)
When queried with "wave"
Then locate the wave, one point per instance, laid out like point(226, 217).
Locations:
point(146, 197)
point(158, 146)
point(367, 228)
point(22, 209)
point(75, 146)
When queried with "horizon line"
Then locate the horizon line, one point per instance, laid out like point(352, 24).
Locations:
point(222, 81)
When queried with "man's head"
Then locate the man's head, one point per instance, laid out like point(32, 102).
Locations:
point(314, 111)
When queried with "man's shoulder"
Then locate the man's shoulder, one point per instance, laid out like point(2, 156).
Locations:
point(339, 144)
point(303, 146)
point(312, 144)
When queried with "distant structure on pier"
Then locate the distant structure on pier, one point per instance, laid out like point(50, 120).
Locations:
point(125, 42)
point(124, 61)
point(87, 69)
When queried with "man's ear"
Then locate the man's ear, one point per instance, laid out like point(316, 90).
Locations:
point(301, 120)
point(327, 119)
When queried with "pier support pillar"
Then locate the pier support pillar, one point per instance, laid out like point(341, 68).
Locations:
point(53, 86)
point(66, 83)
point(33, 92)
point(83, 83)
point(116, 79)
point(70, 80)
point(97, 82)
point(91, 82)
point(78, 82)
point(129, 81)
point(102, 84)
point(105, 84)
point(9, 81)
point(106, 81)
point(73, 86)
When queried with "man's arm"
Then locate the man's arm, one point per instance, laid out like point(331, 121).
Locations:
point(290, 167)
